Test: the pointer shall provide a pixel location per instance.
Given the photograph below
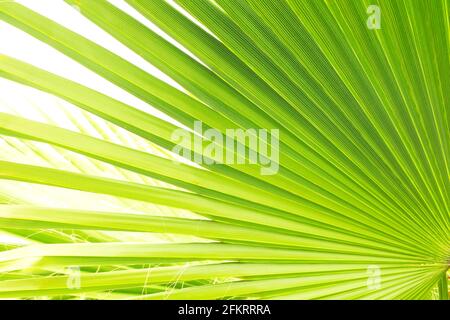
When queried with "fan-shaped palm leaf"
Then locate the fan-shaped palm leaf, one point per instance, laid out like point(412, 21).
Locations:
point(358, 208)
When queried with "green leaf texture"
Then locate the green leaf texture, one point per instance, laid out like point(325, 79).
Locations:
point(360, 205)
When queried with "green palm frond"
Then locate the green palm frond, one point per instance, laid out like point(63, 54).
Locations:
point(358, 208)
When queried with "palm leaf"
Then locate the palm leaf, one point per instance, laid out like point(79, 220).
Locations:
point(359, 208)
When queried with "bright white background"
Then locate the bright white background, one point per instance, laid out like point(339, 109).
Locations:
point(18, 44)
point(22, 100)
